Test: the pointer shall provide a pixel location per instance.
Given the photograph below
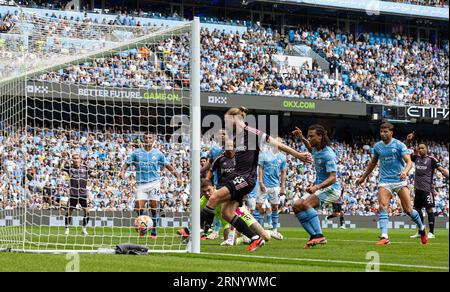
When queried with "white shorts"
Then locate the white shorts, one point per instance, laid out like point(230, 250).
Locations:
point(326, 196)
point(251, 204)
point(266, 205)
point(149, 191)
point(271, 194)
point(394, 188)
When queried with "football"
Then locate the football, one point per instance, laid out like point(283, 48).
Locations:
point(143, 224)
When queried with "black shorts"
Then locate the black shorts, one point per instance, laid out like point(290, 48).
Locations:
point(337, 207)
point(239, 187)
point(73, 202)
point(423, 199)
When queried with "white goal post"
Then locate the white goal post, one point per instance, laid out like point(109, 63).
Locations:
point(93, 90)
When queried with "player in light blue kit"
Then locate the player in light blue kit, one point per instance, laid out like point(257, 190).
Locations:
point(251, 200)
point(326, 189)
point(148, 162)
point(272, 183)
point(395, 165)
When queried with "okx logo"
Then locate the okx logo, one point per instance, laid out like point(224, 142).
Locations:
point(217, 99)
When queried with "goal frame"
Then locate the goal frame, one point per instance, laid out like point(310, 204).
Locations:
point(192, 27)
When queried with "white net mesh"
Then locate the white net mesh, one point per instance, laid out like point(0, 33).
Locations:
point(92, 91)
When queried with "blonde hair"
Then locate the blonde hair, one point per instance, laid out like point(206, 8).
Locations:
point(235, 111)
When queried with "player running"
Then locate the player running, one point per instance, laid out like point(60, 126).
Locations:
point(272, 182)
point(423, 182)
point(78, 176)
point(395, 165)
point(326, 189)
point(148, 162)
point(247, 143)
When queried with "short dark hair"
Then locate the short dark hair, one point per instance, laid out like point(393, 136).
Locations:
point(388, 126)
point(206, 183)
point(423, 143)
point(321, 131)
point(203, 158)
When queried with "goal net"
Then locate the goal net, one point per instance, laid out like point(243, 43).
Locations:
point(74, 90)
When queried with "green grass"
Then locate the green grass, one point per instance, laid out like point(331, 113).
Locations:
point(346, 251)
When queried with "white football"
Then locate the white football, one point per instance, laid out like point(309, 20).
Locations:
point(143, 224)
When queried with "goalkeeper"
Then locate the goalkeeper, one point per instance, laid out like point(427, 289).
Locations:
point(207, 189)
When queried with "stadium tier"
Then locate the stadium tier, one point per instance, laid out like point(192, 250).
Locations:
point(389, 69)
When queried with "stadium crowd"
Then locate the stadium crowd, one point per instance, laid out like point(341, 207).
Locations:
point(31, 175)
point(399, 72)
point(385, 69)
point(390, 69)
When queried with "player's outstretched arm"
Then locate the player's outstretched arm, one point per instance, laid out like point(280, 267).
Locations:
point(170, 168)
point(372, 164)
point(305, 157)
point(206, 167)
point(409, 140)
point(64, 168)
point(298, 133)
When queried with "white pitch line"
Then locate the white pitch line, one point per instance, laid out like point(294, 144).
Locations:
point(364, 241)
point(326, 261)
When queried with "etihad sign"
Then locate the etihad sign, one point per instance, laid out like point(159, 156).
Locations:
point(427, 112)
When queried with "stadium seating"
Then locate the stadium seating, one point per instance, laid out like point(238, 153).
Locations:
point(403, 72)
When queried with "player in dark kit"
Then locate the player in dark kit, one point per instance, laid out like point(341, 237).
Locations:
point(337, 211)
point(247, 143)
point(78, 176)
point(423, 182)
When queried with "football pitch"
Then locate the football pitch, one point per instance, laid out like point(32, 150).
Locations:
point(347, 250)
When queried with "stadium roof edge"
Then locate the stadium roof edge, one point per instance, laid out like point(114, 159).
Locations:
point(372, 7)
